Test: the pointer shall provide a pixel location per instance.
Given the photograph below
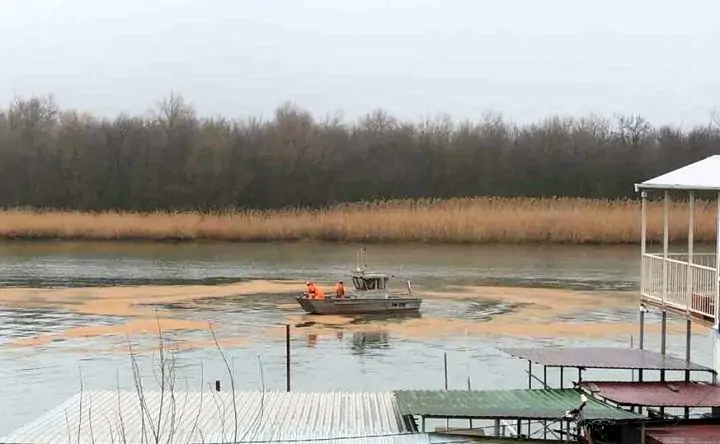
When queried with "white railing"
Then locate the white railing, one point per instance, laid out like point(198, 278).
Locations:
point(704, 259)
point(666, 282)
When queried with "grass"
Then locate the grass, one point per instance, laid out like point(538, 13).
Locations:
point(471, 220)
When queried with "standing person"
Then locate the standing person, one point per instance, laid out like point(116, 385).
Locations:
point(311, 290)
point(319, 293)
point(340, 289)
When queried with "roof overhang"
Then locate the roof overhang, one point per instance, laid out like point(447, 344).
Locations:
point(703, 175)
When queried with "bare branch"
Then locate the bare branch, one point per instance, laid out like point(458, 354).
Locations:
point(199, 409)
point(80, 406)
point(232, 381)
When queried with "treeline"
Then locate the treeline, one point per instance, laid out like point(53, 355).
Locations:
point(173, 159)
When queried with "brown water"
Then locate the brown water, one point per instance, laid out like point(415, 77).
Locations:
point(69, 309)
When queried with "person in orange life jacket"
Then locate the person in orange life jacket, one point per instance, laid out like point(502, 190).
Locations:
point(340, 290)
point(311, 290)
point(319, 293)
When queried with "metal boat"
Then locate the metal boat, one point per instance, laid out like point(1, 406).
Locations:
point(370, 295)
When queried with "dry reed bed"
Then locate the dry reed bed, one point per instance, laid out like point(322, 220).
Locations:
point(472, 220)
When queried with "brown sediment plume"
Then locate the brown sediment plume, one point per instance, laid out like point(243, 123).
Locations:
point(135, 300)
point(542, 298)
point(534, 316)
point(135, 326)
point(425, 328)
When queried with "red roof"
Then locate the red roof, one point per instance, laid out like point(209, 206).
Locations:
point(685, 434)
point(656, 394)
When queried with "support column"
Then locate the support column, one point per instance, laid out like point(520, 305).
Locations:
point(666, 248)
point(545, 386)
point(530, 376)
point(663, 340)
point(641, 342)
point(689, 291)
point(716, 327)
point(688, 349)
point(643, 241)
point(691, 251)
point(643, 274)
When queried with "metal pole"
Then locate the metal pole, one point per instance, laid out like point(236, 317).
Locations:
point(287, 357)
point(562, 385)
point(467, 364)
point(545, 386)
point(530, 376)
point(445, 369)
point(632, 372)
point(447, 420)
point(641, 341)
point(689, 293)
point(666, 247)
point(688, 349)
point(643, 272)
point(663, 340)
point(642, 433)
point(643, 241)
point(469, 389)
point(688, 338)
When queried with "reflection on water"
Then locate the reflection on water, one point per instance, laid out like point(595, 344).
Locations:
point(474, 298)
point(364, 341)
point(388, 317)
point(19, 323)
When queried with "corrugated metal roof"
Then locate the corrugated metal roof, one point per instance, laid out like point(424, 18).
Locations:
point(685, 434)
point(701, 175)
point(604, 357)
point(656, 394)
point(208, 417)
point(505, 404)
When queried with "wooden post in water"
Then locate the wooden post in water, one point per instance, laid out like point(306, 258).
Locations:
point(467, 368)
point(447, 420)
point(287, 357)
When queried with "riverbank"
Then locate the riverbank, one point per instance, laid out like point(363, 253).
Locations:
point(472, 220)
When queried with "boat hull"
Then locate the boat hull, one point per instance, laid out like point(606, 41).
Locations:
point(345, 306)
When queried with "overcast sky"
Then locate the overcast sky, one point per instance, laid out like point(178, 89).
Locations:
point(526, 59)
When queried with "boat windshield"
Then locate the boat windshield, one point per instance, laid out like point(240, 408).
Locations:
point(370, 282)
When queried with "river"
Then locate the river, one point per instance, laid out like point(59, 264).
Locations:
point(69, 311)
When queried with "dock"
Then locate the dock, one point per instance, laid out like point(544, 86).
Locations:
point(213, 417)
